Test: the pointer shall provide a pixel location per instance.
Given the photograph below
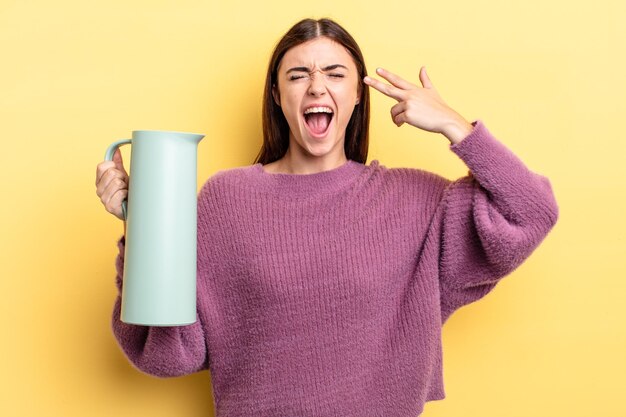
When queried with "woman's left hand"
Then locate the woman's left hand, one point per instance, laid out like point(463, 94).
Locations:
point(421, 107)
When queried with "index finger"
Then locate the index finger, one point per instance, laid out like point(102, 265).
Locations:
point(394, 79)
point(386, 89)
point(103, 167)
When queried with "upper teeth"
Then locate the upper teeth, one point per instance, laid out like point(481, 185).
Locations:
point(318, 110)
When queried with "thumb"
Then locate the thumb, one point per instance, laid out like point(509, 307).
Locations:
point(117, 158)
point(425, 79)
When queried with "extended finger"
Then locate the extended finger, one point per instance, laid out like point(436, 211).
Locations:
point(394, 79)
point(425, 79)
point(386, 89)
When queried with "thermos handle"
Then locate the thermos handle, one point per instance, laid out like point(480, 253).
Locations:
point(108, 156)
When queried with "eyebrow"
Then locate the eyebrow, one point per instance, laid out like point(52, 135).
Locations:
point(328, 68)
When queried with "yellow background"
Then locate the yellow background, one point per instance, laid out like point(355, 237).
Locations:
point(547, 78)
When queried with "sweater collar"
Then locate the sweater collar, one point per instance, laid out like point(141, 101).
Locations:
point(319, 182)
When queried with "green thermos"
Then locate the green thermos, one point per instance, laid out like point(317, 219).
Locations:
point(159, 283)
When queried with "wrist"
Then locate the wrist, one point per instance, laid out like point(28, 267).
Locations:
point(457, 130)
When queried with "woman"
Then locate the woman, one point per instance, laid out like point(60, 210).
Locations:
point(323, 283)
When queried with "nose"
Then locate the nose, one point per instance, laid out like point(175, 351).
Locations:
point(317, 87)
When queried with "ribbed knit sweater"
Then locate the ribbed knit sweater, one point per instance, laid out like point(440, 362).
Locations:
point(324, 294)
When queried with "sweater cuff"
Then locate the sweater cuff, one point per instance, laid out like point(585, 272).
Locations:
point(478, 132)
point(494, 165)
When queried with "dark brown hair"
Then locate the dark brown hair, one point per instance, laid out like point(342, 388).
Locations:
point(275, 127)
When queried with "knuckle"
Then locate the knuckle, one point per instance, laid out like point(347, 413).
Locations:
point(106, 176)
point(112, 206)
point(103, 166)
point(119, 183)
point(118, 196)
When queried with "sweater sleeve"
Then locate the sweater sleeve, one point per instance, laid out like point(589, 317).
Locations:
point(490, 221)
point(160, 351)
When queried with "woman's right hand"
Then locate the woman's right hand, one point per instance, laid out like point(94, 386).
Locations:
point(112, 184)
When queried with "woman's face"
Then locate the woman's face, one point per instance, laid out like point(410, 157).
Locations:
point(318, 88)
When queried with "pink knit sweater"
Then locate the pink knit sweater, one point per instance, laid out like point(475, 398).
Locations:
point(324, 294)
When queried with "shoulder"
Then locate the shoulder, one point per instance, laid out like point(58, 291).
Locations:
point(406, 193)
point(405, 189)
point(226, 181)
point(410, 178)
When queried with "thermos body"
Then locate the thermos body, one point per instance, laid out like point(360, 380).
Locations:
point(159, 283)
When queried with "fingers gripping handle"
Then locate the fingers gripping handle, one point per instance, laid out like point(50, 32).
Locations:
point(108, 156)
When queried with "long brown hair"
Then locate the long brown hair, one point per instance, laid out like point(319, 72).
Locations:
point(275, 127)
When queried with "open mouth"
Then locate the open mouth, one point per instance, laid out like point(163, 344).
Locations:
point(318, 119)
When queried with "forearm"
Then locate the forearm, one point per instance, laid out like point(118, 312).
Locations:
point(522, 196)
point(490, 221)
point(160, 351)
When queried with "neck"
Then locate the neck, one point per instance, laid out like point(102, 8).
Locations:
point(294, 163)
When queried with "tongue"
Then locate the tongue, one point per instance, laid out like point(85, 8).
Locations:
point(318, 122)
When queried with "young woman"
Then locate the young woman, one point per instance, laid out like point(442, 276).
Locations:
point(323, 282)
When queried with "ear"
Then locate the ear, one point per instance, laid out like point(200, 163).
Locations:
point(276, 95)
point(359, 90)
